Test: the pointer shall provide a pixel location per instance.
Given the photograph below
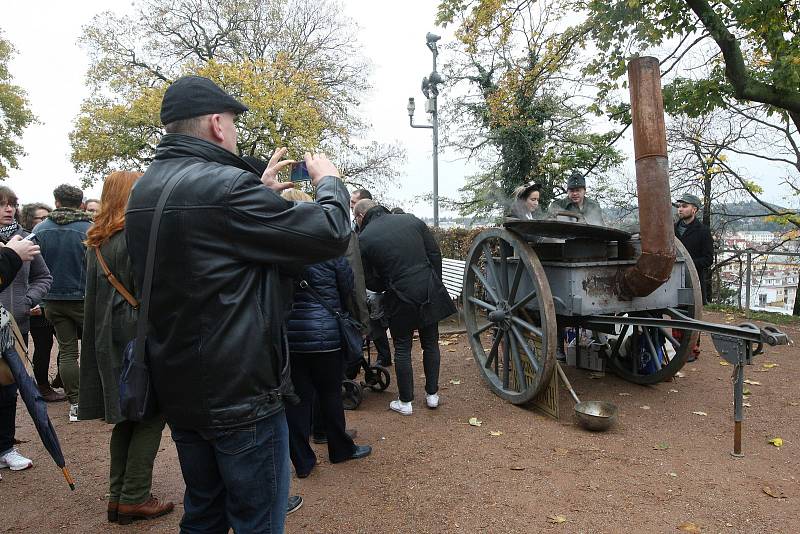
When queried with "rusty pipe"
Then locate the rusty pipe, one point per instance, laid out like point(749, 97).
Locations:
point(654, 266)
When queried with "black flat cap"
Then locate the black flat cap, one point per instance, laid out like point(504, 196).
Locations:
point(193, 96)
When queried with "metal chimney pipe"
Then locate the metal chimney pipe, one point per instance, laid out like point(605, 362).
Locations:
point(655, 264)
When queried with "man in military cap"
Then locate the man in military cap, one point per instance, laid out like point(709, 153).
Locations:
point(696, 237)
point(576, 201)
point(220, 293)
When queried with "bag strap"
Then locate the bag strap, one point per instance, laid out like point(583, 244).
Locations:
point(147, 286)
point(114, 281)
point(305, 285)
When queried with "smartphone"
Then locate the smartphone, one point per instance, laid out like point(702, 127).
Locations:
point(31, 237)
point(300, 172)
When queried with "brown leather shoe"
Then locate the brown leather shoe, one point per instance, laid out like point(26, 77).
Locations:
point(51, 395)
point(150, 509)
point(113, 509)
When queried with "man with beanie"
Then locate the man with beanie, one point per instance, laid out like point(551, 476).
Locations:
point(226, 245)
point(696, 237)
point(61, 237)
point(577, 202)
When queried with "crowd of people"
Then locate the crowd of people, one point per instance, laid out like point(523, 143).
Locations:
point(250, 280)
point(248, 283)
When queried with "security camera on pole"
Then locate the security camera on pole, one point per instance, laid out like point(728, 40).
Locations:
point(430, 88)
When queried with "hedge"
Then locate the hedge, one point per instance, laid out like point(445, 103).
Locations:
point(456, 242)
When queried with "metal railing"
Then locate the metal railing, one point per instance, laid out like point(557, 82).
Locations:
point(746, 268)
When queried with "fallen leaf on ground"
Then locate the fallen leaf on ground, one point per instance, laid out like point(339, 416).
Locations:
point(673, 391)
point(557, 519)
point(746, 391)
point(700, 413)
point(595, 376)
point(455, 382)
point(688, 526)
point(673, 475)
point(769, 365)
point(623, 394)
point(775, 493)
point(451, 350)
point(778, 442)
point(794, 404)
point(723, 362)
point(445, 343)
point(473, 421)
point(747, 404)
point(495, 433)
point(645, 407)
point(661, 446)
point(752, 382)
point(561, 450)
point(680, 374)
point(517, 468)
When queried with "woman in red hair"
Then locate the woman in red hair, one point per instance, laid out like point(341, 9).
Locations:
point(110, 314)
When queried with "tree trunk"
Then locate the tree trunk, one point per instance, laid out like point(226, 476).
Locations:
point(796, 309)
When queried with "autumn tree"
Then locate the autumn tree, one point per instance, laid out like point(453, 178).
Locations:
point(15, 113)
point(294, 63)
point(518, 111)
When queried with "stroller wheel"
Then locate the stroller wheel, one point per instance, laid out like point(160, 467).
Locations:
point(380, 378)
point(351, 394)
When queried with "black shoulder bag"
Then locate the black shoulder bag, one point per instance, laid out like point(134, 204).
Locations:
point(349, 330)
point(137, 399)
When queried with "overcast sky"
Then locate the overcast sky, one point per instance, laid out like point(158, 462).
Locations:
point(51, 67)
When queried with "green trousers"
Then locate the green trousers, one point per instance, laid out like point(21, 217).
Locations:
point(134, 446)
point(67, 319)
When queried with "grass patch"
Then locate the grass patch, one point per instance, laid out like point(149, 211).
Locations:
point(767, 317)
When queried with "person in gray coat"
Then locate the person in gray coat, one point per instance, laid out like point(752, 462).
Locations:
point(23, 296)
point(577, 202)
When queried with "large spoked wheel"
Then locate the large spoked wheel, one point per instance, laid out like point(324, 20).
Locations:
point(509, 315)
point(647, 355)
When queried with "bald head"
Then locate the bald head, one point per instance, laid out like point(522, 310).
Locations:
point(363, 206)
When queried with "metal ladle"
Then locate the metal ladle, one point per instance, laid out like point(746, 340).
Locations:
point(591, 415)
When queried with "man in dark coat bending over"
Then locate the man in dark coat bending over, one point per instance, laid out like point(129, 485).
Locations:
point(218, 364)
point(696, 237)
point(400, 256)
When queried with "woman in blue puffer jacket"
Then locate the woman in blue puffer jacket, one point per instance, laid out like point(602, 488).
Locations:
point(316, 360)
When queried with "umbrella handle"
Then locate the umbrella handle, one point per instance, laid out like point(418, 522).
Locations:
point(68, 478)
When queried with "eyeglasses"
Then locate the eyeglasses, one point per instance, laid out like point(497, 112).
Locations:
point(6, 204)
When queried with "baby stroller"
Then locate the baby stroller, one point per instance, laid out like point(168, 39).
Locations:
point(376, 378)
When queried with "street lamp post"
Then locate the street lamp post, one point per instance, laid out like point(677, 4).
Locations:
point(430, 88)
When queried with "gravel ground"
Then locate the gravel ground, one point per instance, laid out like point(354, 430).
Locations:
point(661, 469)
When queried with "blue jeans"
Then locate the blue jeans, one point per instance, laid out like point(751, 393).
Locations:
point(235, 477)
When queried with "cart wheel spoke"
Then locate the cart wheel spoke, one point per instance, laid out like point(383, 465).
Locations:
point(523, 301)
point(489, 289)
point(493, 351)
point(490, 269)
point(485, 305)
point(527, 326)
point(537, 366)
point(512, 293)
point(506, 358)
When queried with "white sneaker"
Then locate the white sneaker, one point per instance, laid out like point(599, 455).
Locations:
point(403, 408)
point(73, 413)
point(432, 400)
point(14, 461)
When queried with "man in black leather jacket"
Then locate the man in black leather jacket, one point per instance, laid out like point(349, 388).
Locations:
point(219, 298)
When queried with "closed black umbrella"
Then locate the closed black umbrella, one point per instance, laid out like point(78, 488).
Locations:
point(38, 409)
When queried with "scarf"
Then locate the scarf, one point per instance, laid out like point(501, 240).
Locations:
point(7, 231)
